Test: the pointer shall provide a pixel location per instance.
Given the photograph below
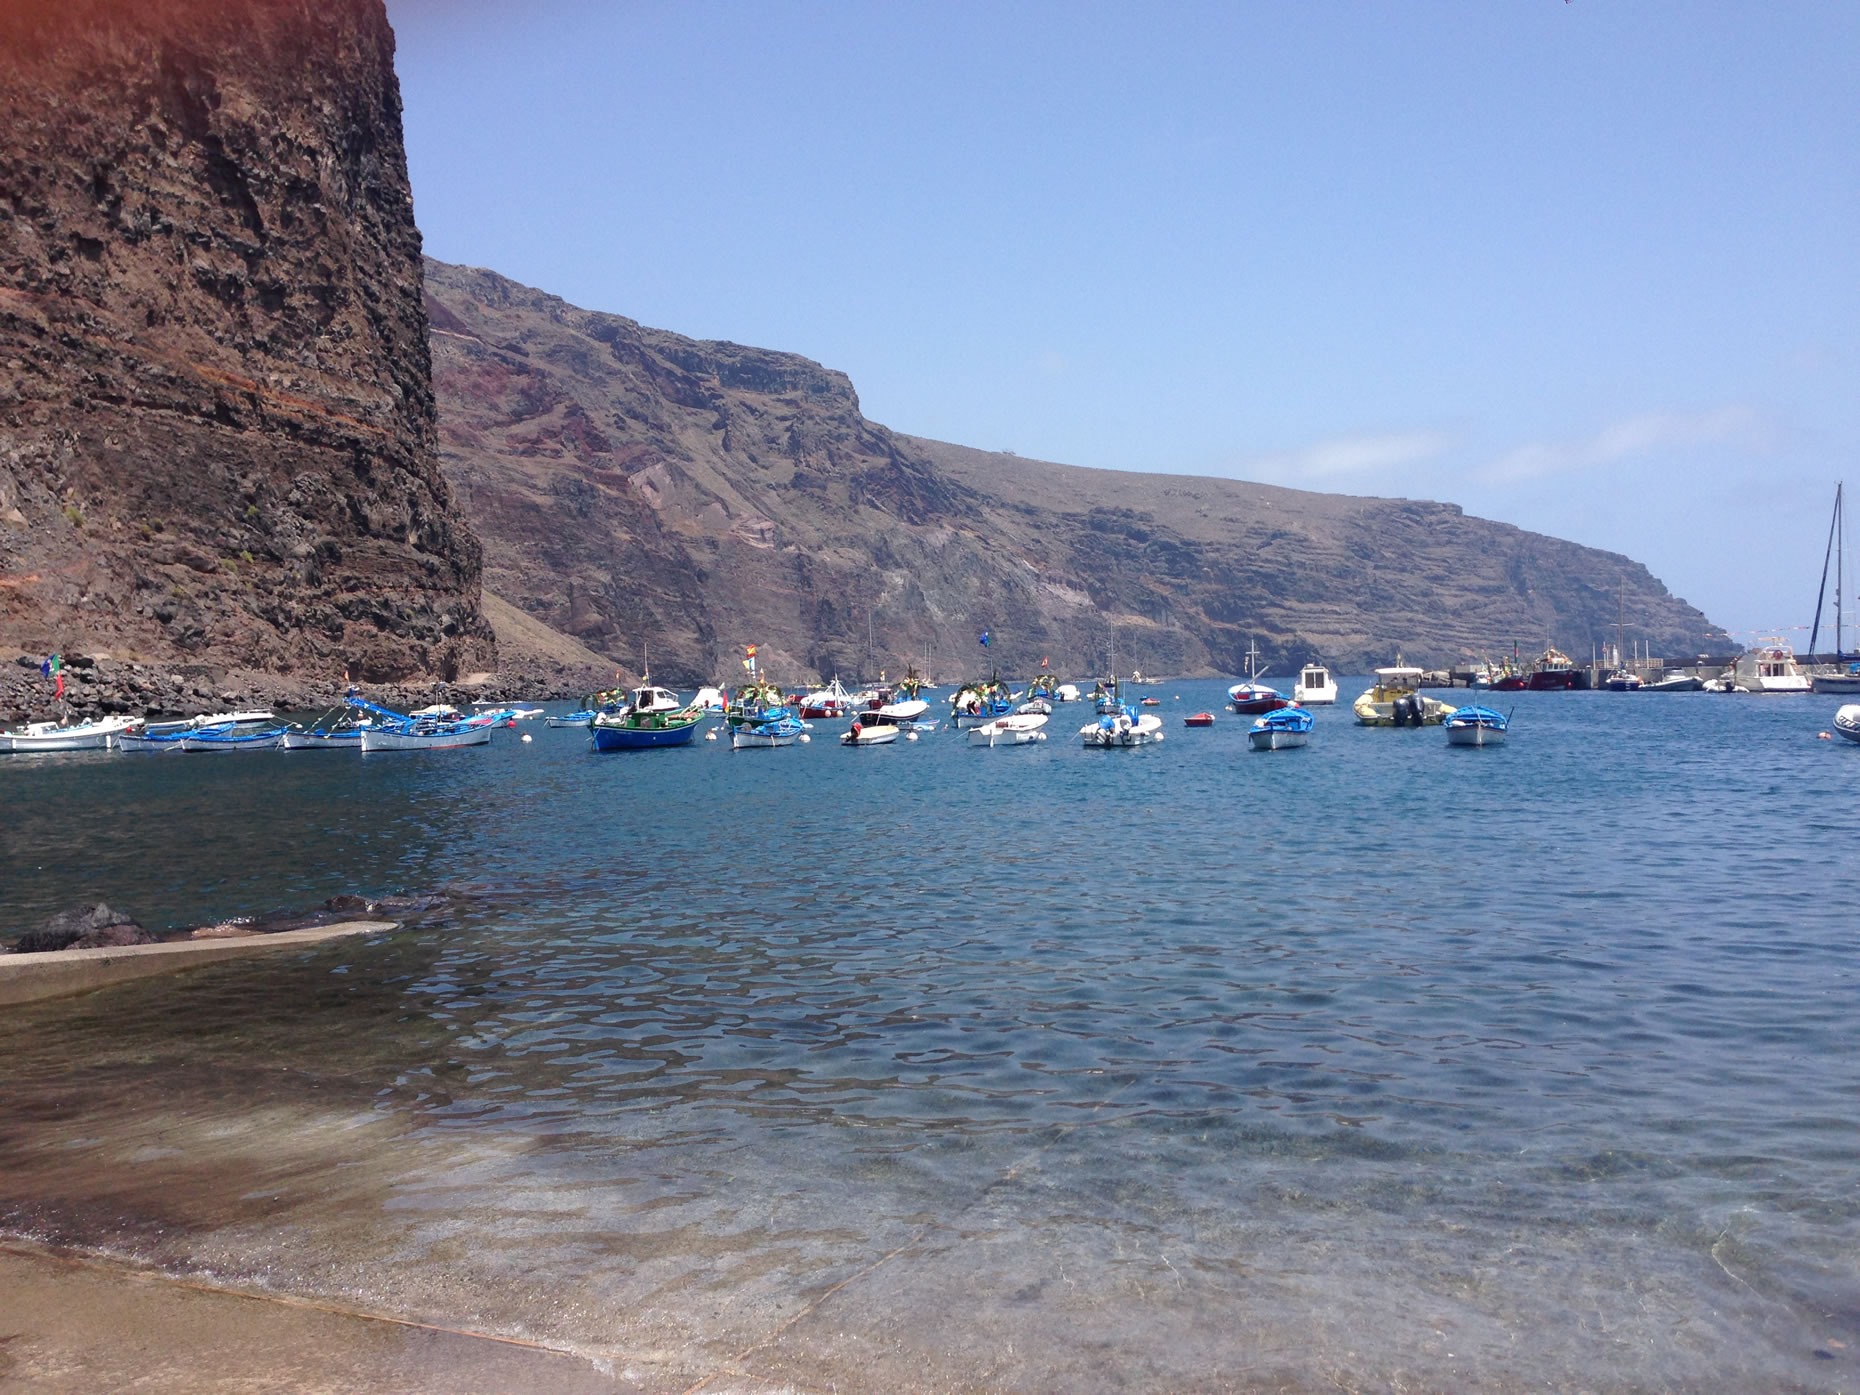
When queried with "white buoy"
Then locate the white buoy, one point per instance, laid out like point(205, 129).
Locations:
point(910, 736)
point(710, 736)
point(805, 738)
point(526, 736)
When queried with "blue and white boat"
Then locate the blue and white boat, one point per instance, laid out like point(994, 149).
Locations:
point(759, 716)
point(169, 736)
point(1280, 729)
point(578, 718)
point(1122, 728)
point(651, 717)
point(263, 733)
point(1476, 726)
point(433, 728)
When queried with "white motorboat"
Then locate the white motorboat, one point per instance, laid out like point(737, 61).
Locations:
point(1678, 683)
point(1017, 729)
point(98, 734)
point(1115, 730)
point(901, 714)
point(1068, 692)
point(1847, 721)
point(1035, 707)
point(1770, 668)
point(864, 731)
point(1315, 687)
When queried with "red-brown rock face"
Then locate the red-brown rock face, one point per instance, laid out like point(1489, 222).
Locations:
point(216, 411)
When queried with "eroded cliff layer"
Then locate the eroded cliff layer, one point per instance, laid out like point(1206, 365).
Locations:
point(216, 412)
point(646, 492)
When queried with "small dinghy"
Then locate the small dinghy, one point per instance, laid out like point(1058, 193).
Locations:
point(573, 719)
point(1476, 726)
point(1280, 730)
point(1199, 719)
point(1251, 699)
point(1019, 729)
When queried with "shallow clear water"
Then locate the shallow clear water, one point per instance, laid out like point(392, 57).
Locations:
point(1377, 1064)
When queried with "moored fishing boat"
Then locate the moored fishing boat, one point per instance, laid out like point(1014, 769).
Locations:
point(1554, 672)
point(339, 729)
point(168, 736)
point(1016, 729)
point(1280, 729)
point(262, 732)
point(976, 703)
point(98, 734)
point(651, 717)
point(759, 716)
point(1199, 719)
point(1251, 699)
point(1394, 700)
point(435, 728)
point(1476, 726)
point(578, 718)
point(867, 730)
point(827, 704)
point(1116, 730)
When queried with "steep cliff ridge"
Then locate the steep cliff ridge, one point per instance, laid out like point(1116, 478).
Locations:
point(216, 415)
point(646, 492)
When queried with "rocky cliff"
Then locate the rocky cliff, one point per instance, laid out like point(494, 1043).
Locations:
point(650, 493)
point(216, 412)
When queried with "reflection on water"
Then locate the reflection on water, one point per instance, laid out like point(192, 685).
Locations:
point(1369, 1064)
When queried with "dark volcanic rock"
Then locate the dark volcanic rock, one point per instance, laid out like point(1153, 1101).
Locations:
point(642, 491)
point(216, 413)
point(83, 927)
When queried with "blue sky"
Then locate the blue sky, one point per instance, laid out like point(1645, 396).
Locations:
point(1587, 267)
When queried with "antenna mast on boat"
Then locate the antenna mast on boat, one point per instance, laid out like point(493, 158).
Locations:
point(1835, 553)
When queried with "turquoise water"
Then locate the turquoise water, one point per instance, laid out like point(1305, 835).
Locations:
point(1376, 1064)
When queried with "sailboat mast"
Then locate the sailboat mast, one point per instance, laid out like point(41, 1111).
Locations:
point(1840, 556)
point(1821, 596)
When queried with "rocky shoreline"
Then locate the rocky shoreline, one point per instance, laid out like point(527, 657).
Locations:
point(101, 685)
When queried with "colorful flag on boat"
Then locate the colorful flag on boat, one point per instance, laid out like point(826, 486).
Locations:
point(750, 650)
point(54, 667)
point(1042, 663)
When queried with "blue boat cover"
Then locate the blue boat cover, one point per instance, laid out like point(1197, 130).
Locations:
point(1286, 719)
point(1478, 717)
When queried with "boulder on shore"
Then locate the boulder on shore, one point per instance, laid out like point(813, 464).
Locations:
point(94, 926)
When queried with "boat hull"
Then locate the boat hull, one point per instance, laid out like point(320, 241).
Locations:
point(323, 740)
point(604, 738)
point(96, 735)
point(380, 740)
point(751, 739)
point(1272, 739)
point(1019, 730)
point(862, 735)
point(1836, 682)
point(1675, 685)
point(205, 742)
point(1475, 736)
point(1199, 719)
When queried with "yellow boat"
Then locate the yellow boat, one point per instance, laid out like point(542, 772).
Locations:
point(1394, 700)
